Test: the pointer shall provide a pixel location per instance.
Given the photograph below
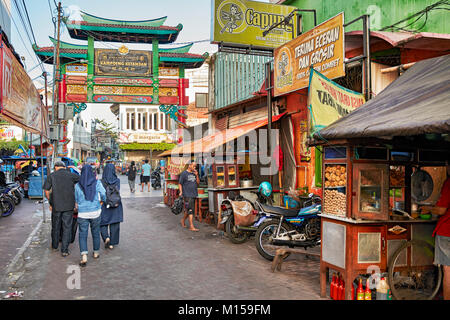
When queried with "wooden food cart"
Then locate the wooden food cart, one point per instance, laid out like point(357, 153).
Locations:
point(371, 160)
point(360, 230)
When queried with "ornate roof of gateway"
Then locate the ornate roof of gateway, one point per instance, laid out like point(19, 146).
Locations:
point(110, 30)
point(148, 23)
point(174, 57)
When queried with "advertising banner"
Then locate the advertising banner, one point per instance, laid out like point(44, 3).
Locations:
point(20, 101)
point(128, 63)
point(321, 48)
point(243, 22)
point(176, 165)
point(329, 101)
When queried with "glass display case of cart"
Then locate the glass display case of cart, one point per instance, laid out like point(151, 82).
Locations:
point(225, 174)
point(335, 181)
point(370, 183)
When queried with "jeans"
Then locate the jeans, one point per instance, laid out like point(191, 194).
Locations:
point(83, 225)
point(62, 221)
point(132, 185)
point(111, 231)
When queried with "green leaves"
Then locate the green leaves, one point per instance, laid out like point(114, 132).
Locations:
point(147, 146)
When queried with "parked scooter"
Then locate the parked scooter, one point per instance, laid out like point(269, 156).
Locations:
point(7, 205)
point(13, 190)
point(155, 178)
point(289, 227)
point(240, 234)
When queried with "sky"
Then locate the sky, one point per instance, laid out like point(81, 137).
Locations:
point(194, 15)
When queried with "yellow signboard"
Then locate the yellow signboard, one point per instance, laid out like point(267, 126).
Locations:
point(329, 101)
point(321, 47)
point(243, 22)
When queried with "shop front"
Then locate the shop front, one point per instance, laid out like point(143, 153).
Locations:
point(229, 161)
point(382, 164)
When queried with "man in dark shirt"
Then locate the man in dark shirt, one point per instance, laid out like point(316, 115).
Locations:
point(61, 182)
point(188, 184)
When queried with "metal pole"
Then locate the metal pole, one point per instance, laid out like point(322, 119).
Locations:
point(367, 64)
point(269, 107)
point(44, 218)
point(56, 74)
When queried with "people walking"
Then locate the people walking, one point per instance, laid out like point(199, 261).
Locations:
point(188, 184)
point(131, 173)
point(60, 192)
point(112, 210)
point(89, 194)
point(146, 171)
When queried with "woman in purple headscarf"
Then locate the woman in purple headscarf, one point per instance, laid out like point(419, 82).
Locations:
point(89, 194)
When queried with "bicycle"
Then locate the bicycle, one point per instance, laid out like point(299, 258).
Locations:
point(411, 277)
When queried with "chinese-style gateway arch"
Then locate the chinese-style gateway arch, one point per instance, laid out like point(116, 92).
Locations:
point(121, 75)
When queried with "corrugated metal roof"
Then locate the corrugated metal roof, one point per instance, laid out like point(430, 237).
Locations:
point(217, 139)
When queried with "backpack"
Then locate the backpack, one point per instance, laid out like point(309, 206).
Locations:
point(178, 206)
point(112, 195)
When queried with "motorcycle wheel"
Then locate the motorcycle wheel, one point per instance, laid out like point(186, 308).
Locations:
point(262, 238)
point(18, 197)
point(235, 236)
point(7, 206)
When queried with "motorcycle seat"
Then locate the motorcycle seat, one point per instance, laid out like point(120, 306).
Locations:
point(280, 211)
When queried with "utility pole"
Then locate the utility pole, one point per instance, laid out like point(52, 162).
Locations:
point(56, 76)
point(44, 109)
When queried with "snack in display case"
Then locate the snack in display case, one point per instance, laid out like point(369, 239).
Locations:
point(334, 202)
point(335, 176)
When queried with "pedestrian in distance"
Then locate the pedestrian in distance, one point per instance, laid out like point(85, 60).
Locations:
point(188, 184)
point(146, 171)
point(112, 209)
point(89, 195)
point(60, 192)
point(141, 176)
point(131, 173)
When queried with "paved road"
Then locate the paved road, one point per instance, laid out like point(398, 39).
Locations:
point(158, 259)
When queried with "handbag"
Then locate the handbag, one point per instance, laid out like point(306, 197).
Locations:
point(178, 205)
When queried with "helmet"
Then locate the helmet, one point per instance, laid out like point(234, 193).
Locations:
point(265, 188)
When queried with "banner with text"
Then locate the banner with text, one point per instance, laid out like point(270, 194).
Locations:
point(321, 47)
point(20, 100)
point(243, 22)
point(329, 101)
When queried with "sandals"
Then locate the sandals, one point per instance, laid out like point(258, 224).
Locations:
point(107, 241)
point(83, 261)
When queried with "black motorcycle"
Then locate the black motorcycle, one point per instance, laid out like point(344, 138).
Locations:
point(155, 179)
point(240, 234)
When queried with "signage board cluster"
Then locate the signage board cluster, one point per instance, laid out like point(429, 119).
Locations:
point(321, 48)
point(243, 22)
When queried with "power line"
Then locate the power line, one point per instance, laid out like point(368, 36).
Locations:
point(29, 22)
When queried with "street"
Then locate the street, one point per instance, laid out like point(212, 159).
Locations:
point(158, 259)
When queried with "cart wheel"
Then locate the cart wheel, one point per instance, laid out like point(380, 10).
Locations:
point(414, 282)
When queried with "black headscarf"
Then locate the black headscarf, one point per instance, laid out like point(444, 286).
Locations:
point(109, 174)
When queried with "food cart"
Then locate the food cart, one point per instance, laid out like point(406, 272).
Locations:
point(381, 163)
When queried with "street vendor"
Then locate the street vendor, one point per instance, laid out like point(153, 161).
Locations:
point(442, 232)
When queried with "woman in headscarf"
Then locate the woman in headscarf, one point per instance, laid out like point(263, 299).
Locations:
point(111, 216)
point(89, 193)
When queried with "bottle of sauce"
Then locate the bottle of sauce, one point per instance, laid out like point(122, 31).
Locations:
point(360, 291)
point(368, 292)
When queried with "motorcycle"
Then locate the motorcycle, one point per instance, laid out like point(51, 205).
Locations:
point(240, 234)
point(155, 178)
point(13, 190)
point(7, 205)
point(289, 227)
